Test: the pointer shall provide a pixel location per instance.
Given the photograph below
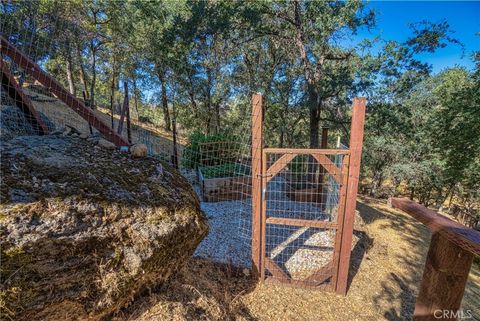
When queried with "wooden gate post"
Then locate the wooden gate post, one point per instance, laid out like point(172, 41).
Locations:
point(356, 143)
point(257, 146)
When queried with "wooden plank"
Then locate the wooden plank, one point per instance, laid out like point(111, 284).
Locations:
point(356, 143)
point(321, 275)
point(466, 238)
point(299, 284)
point(275, 270)
point(301, 223)
point(342, 196)
point(276, 167)
point(307, 151)
point(323, 145)
point(73, 102)
point(263, 244)
point(21, 100)
point(123, 113)
point(327, 164)
point(444, 279)
point(257, 145)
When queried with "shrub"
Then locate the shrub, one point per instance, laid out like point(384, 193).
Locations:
point(226, 170)
point(194, 155)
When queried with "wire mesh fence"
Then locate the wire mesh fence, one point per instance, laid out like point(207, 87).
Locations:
point(279, 209)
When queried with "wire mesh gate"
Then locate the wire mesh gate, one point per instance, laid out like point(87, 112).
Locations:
point(303, 205)
point(301, 234)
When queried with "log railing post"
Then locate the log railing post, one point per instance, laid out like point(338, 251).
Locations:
point(257, 146)
point(356, 143)
point(450, 256)
point(444, 280)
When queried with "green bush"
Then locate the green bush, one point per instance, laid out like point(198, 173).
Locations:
point(194, 155)
point(226, 170)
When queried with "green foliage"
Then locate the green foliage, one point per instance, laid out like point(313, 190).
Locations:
point(225, 170)
point(199, 61)
point(196, 154)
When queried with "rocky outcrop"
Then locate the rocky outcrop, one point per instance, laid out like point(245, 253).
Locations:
point(13, 123)
point(83, 229)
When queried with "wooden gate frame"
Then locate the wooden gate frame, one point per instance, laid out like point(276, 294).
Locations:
point(338, 269)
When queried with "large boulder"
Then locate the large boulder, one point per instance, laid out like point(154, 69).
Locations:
point(83, 230)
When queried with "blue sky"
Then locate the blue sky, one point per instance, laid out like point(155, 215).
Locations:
point(393, 18)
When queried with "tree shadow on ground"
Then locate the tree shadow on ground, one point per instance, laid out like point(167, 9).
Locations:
point(202, 290)
point(408, 250)
point(400, 287)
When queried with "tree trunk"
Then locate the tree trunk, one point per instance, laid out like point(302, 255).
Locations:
point(217, 117)
point(209, 98)
point(94, 74)
point(166, 114)
point(314, 132)
point(83, 78)
point(71, 85)
point(135, 99)
point(377, 183)
point(112, 94)
point(193, 103)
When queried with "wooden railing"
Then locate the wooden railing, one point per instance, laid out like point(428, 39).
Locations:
point(450, 256)
point(35, 71)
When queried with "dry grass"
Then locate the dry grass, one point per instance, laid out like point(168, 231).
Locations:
point(386, 271)
point(157, 139)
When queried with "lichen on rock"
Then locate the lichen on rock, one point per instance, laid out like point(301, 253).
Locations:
point(88, 228)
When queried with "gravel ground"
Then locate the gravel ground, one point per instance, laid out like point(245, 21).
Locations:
point(297, 250)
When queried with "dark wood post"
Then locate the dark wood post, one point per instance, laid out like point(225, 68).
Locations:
point(356, 143)
point(85, 101)
point(123, 113)
point(174, 128)
point(444, 280)
point(324, 143)
point(129, 129)
point(257, 146)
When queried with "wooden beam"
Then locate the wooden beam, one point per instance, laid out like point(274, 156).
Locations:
point(299, 284)
point(444, 279)
point(257, 145)
point(71, 101)
point(301, 223)
point(340, 220)
point(327, 164)
point(306, 151)
point(466, 238)
point(276, 167)
point(21, 100)
point(275, 270)
point(356, 143)
point(321, 275)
